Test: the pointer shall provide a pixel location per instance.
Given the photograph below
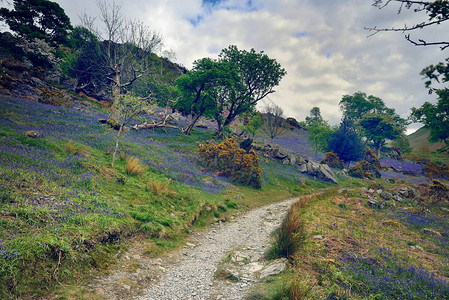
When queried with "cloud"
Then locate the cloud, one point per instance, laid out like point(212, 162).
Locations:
point(322, 44)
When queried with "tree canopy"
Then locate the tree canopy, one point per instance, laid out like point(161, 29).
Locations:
point(435, 117)
point(346, 143)
point(258, 75)
point(40, 19)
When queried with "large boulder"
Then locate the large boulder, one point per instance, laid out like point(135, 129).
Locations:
point(317, 170)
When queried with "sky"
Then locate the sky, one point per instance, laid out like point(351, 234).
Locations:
point(322, 44)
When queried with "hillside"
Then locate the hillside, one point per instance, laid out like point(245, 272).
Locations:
point(419, 140)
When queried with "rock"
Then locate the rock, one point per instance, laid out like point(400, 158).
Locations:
point(274, 268)
point(386, 196)
point(190, 245)
point(374, 204)
point(289, 160)
point(416, 247)
point(320, 171)
point(409, 192)
point(398, 198)
point(126, 287)
point(239, 256)
point(33, 134)
point(99, 291)
point(379, 192)
point(431, 232)
point(317, 237)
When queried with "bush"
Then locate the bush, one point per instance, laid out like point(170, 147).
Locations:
point(368, 168)
point(234, 162)
point(52, 96)
point(433, 170)
point(333, 161)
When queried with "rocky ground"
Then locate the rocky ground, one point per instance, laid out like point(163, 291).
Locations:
point(223, 263)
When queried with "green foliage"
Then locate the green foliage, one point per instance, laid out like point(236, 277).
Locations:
point(40, 19)
point(403, 144)
point(435, 117)
point(333, 161)
point(203, 88)
point(252, 124)
point(378, 128)
point(233, 161)
point(257, 76)
point(320, 134)
point(126, 108)
point(346, 143)
point(315, 117)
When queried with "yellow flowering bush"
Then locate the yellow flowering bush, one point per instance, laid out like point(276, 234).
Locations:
point(232, 161)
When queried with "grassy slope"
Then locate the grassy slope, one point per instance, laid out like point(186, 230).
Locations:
point(64, 211)
point(420, 140)
point(350, 250)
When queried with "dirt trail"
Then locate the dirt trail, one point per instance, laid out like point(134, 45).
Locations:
point(189, 272)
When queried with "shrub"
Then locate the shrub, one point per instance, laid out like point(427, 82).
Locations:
point(333, 161)
point(134, 166)
point(368, 168)
point(234, 162)
point(52, 96)
point(433, 170)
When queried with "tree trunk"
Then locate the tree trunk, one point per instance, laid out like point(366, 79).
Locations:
point(192, 123)
point(116, 145)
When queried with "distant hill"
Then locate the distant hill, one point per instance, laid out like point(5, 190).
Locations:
point(420, 139)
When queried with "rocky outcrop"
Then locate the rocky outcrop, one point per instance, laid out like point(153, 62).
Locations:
point(306, 166)
point(317, 170)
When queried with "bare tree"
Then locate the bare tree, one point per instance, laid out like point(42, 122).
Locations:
point(273, 121)
point(437, 11)
point(127, 45)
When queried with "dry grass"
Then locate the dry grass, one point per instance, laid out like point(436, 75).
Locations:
point(73, 148)
point(158, 188)
point(134, 166)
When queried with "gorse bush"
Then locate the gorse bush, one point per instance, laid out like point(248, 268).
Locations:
point(134, 166)
point(333, 161)
point(433, 170)
point(234, 162)
point(369, 167)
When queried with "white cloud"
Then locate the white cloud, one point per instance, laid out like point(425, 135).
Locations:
point(322, 44)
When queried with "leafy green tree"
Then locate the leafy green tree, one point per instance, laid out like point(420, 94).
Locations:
point(319, 136)
point(128, 107)
point(84, 63)
point(378, 128)
point(258, 75)
point(355, 106)
point(40, 19)
point(315, 117)
point(435, 117)
point(254, 123)
point(203, 88)
point(402, 143)
point(346, 143)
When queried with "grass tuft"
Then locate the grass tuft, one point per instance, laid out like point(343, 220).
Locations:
point(134, 166)
point(290, 236)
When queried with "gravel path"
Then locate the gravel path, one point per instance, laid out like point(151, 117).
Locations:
point(191, 273)
point(237, 247)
